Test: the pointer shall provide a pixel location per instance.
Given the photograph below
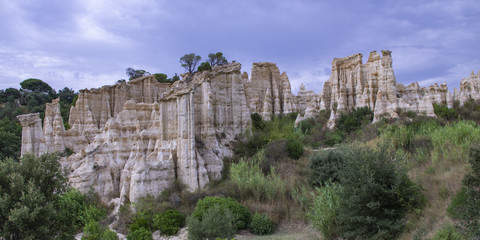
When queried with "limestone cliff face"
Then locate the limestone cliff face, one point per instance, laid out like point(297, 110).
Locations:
point(136, 138)
point(270, 92)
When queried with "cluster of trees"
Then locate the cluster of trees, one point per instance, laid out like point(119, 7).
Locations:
point(190, 62)
point(160, 77)
point(31, 97)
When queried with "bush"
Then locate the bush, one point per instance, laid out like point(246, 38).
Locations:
point(240, 214)
point(140, 220)
point(324, 210)
point(465, 206)
point(325, 165)
point(354, 120)
point(140, 234)
point(376, 194)
point(448, 233)
point(249, 178)
point(257, 122)
point(261, 224)
point(444, 112)
point(215, 222)
point(92, 231)
point(109, 235)
point(294, 148)
point(334, 137)
point(274, 151)
point(169, 222)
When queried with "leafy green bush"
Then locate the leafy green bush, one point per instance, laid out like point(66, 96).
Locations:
point(140, 234)
point(465, 206)
point(294, 148)
point(250, 180)
point(215, 222)
point(109, 235)
point(240, 214)
point(257, 122)
point(261, 224)
point(325, 165)
point(448, 233)
point(324, 210)
point(168, 222)
point(354, 120)
point(92, 231)
point(205, 66)
point(376, 194)
point(141, 220)
point(334, 137)
point(444, 112)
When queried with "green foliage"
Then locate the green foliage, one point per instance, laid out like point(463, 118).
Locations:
point(161, 77)
point(92, 213)
point(294, 148)
point(71, 208)
point(215, 222)
point(240, 214)
point(249, 178)
point(444, 112)
point(261, 224)
point(453, 141)
point(169, 222)
point(448, 233)
point(216, 59)
point(376, 193)
point(324, 210)
point(354, 120)
point(325, 166)
point(10, 139)
point(133, 73)
point(36, 85)
point(465, 206)
point(190, 61)
point(258, 122)
point(205, 66)
point(109, 235)
point(31, 206)
point(141, 220)
point(140, 234)
point(334, 137)
point(92, 231)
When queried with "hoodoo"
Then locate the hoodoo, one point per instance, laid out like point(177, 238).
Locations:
point(136, 138)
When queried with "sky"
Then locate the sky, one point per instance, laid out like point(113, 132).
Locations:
point(89, 43)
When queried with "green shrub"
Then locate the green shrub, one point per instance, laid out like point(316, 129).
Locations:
point(205, 66)
point(168, 222)
point(261, 224)
point(354, 120)
point(444, 112)
point(274, 151)
point(93, 213)
point(140, 234)
point(334, 137)
point(257, 122)
point(92, 231)
point(240, 214)
point(294, 148)
point(324, 210)
point(324, 166)
point(251, 181)
point(109, 235)
point(465, 206)
point(453, 142)
point(376, 194)
point(215, 222)
point(448, 233)
point(140, 220)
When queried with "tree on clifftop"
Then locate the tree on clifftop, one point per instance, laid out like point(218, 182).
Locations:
point(190, 61)
point(135, 73)
point(216, 59)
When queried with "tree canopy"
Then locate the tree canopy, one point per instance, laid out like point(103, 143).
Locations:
point(190, 62)
point(216, 59)
point(135, 73)
point(36, 85)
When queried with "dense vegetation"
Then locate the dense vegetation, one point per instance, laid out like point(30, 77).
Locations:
point(30, 98)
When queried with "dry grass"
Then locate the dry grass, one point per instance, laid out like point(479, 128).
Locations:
point(440, 182)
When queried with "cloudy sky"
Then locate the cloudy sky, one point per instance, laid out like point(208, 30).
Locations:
point(89, 43)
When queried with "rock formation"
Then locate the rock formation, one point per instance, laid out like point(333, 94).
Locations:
point(136, 138)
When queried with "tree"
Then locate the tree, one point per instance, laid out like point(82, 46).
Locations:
point(133, 73)
point(204, 67)
point(36, 85)
point(190, 61)
point(30, 199)
point(161, 77)
point(67, 95)
point(174, 78)
point(216, 59)
point(10, 140)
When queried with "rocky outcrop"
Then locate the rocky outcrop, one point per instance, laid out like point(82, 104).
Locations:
point(469, 88)
point(270, 92)
point(136, 138)
point(32, 135)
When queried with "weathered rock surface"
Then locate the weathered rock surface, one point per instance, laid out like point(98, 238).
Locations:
point(136, 138)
